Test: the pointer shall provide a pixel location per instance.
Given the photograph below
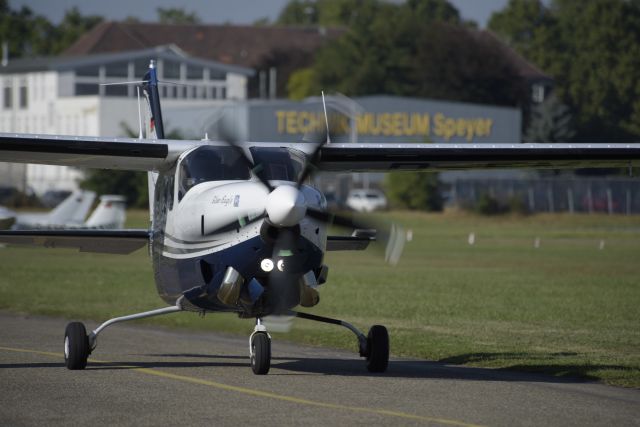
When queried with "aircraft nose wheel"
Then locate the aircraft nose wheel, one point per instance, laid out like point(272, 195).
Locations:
point(76, 346)
point(377, 349)
point(260, 353)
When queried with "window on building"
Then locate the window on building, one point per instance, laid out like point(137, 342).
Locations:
point(87, 89)
point(194, 72)
point(171, 70)
point(7, 95)
point(217, 74)
point(23, 99)
point(116, 90)
point(90, 71)
point(537, 93)
point(117, 69)
point(223, 93)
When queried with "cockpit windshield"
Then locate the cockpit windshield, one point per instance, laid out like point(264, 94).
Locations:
point(210, 163)
point(278, 163)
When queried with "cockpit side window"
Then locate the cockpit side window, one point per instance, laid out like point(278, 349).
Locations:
point(210, 163)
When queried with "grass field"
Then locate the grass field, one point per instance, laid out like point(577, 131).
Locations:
point(570, 307)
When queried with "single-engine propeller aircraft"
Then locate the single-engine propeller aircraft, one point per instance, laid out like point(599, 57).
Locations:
point(234, 227)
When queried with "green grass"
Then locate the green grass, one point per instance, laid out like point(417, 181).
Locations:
point(566, 308)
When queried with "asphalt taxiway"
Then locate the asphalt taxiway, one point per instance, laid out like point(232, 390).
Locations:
point(142, 375)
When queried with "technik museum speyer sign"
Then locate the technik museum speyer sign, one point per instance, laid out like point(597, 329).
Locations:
point(387, 119)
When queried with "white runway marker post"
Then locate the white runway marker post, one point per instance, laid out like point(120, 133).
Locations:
point(472, 239)
point(536, 243)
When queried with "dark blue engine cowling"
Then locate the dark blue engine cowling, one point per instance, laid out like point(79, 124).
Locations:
point(199, 278)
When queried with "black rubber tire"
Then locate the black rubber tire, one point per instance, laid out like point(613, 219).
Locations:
point(76, 346)
point(377, 349)
point(261, 349)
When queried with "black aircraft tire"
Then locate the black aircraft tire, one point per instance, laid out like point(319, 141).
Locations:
point(76, 346)
point(378, 349)
point(261, 357)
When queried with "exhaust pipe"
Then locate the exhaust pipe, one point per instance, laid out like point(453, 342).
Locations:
point(308, 294)
point(229, 292)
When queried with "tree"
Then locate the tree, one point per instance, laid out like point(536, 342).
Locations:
point(33, 35)
point(522, 24)
point(418, 48)
point(551, 121)
point(414, 190)
point(72, 26)
point(592, 49)
point(172, 15)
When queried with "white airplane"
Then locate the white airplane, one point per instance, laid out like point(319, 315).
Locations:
point(71, 211)
point(236, 229)
point(71, 214)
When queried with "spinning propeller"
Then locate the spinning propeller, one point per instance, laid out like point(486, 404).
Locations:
point(286, 206)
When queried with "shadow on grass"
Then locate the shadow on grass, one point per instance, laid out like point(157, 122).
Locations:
point(539, 363)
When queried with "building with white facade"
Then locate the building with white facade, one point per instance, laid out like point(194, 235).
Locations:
point(72, 96)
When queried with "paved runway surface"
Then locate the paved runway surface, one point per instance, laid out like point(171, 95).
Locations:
point(152, 376)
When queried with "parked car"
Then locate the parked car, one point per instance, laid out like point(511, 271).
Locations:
point(366, 200)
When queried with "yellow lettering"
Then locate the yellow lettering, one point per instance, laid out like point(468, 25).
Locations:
point(364, 122)
point(489, 124)
point(420, 122)
point(469, 129)
point(291, 122)
point(280, 116)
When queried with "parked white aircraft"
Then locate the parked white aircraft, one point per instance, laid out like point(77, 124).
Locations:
point(70, 214)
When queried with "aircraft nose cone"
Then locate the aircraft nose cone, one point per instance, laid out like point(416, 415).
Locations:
point(286, 206)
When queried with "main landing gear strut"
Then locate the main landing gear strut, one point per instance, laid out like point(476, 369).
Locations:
point(78, 345)
point(374, 346)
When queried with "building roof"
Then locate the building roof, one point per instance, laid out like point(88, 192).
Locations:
point(523, 67)
point(231, 44)
point(62, 63)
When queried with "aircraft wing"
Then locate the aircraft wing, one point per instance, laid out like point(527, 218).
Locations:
point(391, 157)
point(91, 152)
point(348, 243)
point(85, 240)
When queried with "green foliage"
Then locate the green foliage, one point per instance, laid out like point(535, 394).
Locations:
point(414, 190)
point(301, 84)
point(73, 25)
point(488, 205)
point(592, 49)
point(173, 15)
point(33, 35)
point(130, 184)
point(550, 122)
point(417, 48)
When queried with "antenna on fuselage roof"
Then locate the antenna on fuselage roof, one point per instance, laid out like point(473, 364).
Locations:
point(326, 118)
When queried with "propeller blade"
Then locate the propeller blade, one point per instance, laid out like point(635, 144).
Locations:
point(283, 280)
point(391, 235)
point(311, 165)
point(231, 138)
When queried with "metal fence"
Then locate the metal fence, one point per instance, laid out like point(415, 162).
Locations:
point(587, 195)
